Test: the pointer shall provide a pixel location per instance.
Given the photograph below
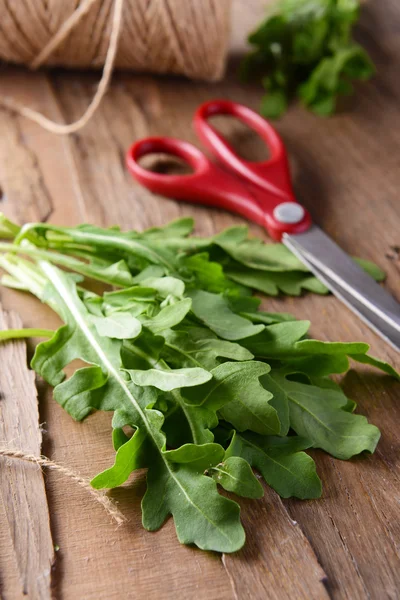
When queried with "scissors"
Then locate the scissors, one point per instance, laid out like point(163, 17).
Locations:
point(262, 192)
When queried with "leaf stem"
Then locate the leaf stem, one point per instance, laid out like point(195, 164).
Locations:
point(13, 334)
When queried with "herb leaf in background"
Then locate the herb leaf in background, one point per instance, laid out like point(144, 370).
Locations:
point(304, 49)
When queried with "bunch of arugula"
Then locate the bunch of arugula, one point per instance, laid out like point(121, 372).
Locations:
point(304, 49)
point(202, 384)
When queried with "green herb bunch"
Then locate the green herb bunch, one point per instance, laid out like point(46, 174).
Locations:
point(202, 384)
point(304, 49)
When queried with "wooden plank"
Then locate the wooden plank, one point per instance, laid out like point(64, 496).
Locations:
point(346, 170)
point(277, 561)
point(21, 485)
point(37, 176)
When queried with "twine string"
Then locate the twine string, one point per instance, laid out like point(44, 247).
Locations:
point(159, 35)
point(43, 461)
point(104, 82)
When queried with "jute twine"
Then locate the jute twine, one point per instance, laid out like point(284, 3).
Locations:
point(188, 37)
point(43, 461)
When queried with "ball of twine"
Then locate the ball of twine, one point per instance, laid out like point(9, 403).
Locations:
point(188, 37)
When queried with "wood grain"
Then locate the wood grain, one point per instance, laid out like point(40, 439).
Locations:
point(21, 485)
point(346, 170)
point(277, 560)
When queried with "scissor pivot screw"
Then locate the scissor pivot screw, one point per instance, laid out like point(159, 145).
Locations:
point(289, 212)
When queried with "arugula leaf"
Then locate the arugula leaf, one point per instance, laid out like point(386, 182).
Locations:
point(265, 257)
point(168, 317)
point(291, 282)
point(235, 475)
point(166, 286)
point(120, 325)
point(284, 467)
point(178, 354)
point(236, 392)
point(208, 275)
point(172, 379)
point(201, 515)
point(318, 365)
point(320, 416)
point(214, 311)
point(200, 457)
point(199, 347)
point(143, 251)
point(375, 362)
point(277, 339)
point(318, 347)
point(178, 228)
point(130, 456)
point(371, 268)
point(269, 318)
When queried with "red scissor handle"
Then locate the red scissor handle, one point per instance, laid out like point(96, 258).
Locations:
point(260, 191)
point(208, 184)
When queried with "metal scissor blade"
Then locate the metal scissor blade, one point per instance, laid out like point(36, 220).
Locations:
point(348, 282)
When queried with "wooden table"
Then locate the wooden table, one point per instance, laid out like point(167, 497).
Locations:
point(346, 169)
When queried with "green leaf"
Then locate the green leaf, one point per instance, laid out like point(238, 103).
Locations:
point(270, 283)
point(274, 104)
point(197, 346)
point(165, 286)
point(143, 352)
point(169, 316)
point(120, 325)
point(257, 255)
point(235, 475)
point(171, 379)
point(371, 268)
point(235, 390)
point(208, 275)
point(317, 347)
point(201, 515)
point(288, 470)
point(279, 402)
point(129, 457)
point(320, 416)
point(213, 310)
point(375, 362)
point(177, 228)
point(315, 365)
point(139, 249)
point(305, 47)
point(198, 457)
point(277, 340)
point(172, 355)
point(269, 318)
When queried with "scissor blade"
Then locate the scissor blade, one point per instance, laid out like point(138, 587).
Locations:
point(348, 282)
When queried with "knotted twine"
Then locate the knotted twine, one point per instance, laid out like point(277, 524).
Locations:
point(188, 37)
point(43, 461)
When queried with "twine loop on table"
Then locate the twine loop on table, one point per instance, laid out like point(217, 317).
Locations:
point(43, 461)
point(164, 36)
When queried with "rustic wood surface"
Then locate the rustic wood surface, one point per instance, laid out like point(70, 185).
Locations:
point(346, 170)
point(27, 539)
point(27, 542)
